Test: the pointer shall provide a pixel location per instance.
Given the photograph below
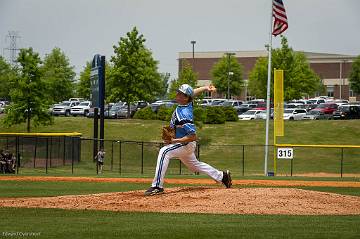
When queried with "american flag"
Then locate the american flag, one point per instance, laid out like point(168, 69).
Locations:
point(280, 21)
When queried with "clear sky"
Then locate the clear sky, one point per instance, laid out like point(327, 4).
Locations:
point(82, 28)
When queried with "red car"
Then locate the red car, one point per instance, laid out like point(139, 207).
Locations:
point(327, 108)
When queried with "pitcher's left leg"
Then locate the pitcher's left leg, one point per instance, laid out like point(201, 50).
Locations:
point(196, 166)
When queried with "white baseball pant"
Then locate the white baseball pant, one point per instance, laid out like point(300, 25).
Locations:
point(184, 152)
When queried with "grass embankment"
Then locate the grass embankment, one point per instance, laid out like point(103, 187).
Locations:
point(240, 159)
point(242, 132)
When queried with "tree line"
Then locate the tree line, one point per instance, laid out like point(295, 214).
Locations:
point(132, 74)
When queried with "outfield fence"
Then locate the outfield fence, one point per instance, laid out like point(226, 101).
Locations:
point(71, 154)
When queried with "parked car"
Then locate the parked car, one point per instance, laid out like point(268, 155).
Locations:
point(294, 114)
point(141, 104)
point(347, 112)
point(123, 111)
point(310, 107)
point(234, 103)
point(245, 107)
point(217, 102)
point(250, 115)
point(204, 102)
point(262, 114)
point(157, 104)
point(64, 108)
point(107, 108)
point(327, 108)
point(81, 109)
point(316, 101)
point(77, 99)
point(316, 115)
point(112, 113)
point(262, 106)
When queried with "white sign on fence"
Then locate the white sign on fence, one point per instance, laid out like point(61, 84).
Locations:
point(285, 153)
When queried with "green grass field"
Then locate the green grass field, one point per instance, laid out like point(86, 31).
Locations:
point(243, 153)
point(50, 223)
point(242, 132)
point(58, 223)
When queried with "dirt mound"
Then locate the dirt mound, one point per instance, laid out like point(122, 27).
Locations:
point(189, 181)
point(287, 201)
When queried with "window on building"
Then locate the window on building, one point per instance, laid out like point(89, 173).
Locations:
point(351, 93)
point(330, 90)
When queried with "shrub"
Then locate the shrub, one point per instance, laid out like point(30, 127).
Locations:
point(230, 113)
point(199, 114)
point(165, 113)
point(145, 113)
point(215, 115)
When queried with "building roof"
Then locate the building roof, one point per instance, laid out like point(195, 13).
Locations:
point(312, 56)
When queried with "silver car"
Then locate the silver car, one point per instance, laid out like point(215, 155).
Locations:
point(294, 114)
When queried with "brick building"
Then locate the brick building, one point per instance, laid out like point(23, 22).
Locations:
point(333, 69)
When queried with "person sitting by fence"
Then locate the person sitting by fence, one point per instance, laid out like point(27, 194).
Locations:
point(100, 159)
point(7, 162)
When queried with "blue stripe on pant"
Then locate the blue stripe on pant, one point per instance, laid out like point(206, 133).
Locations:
point(158, 180)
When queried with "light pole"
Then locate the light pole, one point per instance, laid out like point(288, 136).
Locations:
point(340, 79)
point(193, 53)
point(229, 73)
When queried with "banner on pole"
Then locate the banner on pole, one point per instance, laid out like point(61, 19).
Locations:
point(278, 103)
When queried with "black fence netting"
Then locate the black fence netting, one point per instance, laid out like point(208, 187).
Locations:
point(61, 155)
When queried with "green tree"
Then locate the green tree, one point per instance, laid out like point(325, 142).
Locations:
point(299, 78)
point(186, 76)
point(227, 72)
point(58, 75)
point(135, 74)
point(28, 99)
point(7, 75)
point(165, 78)
point(355, 76)
point(83, 85)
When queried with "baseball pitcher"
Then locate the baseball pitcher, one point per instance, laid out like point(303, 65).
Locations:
point(180, 138)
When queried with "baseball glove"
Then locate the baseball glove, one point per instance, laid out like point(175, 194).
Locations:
point(168, 133)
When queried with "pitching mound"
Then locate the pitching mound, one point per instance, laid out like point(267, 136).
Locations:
point(287, 201)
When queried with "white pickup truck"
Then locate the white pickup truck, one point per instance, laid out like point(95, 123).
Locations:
point(81, 109)
point(64, 108)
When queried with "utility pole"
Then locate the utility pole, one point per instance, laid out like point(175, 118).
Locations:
point(193, 54)
point(13, 36)
point(229, 73)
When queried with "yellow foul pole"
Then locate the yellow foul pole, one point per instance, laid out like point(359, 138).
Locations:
point(278, 108)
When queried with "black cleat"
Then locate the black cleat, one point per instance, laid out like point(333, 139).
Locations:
point(227, 179)
point(153, 191)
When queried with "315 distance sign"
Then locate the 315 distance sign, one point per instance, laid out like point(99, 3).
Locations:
point(285, 153)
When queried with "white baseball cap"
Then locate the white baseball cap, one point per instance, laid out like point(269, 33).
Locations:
point(187, 90)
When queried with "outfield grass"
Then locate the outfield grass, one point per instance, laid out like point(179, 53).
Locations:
point(242, 132)
point(243, 155)
point(57, 223)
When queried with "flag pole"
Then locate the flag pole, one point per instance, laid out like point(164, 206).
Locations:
point(268, 94)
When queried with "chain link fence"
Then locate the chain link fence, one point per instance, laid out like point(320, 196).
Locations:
point(75, 155)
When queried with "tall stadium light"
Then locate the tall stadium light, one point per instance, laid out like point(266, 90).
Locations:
point(193, 53)
point(229, 73)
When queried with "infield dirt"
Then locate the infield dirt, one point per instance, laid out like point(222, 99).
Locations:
point(200, 199)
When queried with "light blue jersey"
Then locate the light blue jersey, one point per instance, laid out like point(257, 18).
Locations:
point(183, 120)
